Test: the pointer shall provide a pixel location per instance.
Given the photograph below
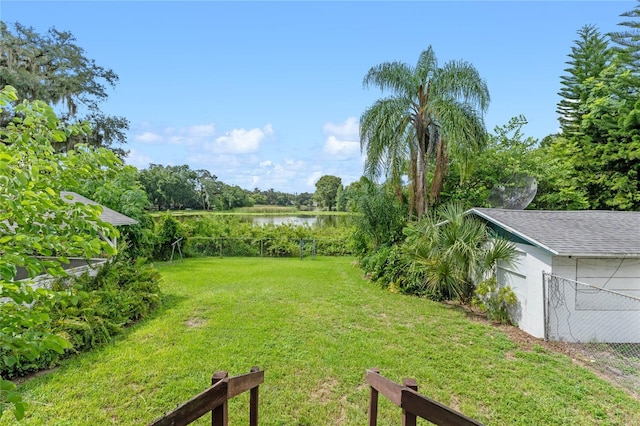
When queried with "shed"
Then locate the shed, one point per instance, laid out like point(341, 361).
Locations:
point(577, 276)
point(78, 266)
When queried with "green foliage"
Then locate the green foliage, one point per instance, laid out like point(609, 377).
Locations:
point(11, 398)
point(497, 301)
point(39, 229)
point(380, 218)
point(432, 110)
point(120, 189)
point(327, 190)
point(601, 140)
point(628, 40)
point(54, 69)
point(89, 311)
point(170, 187)
point(388, 267)
point(588, 57)
point(511, 155)
point(453, 252)
point(167, 231)
point(229, 235)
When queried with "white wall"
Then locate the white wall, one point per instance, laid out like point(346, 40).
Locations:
point(585, 314)
point(525, 278)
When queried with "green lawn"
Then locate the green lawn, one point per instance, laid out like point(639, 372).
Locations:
point(314, 327)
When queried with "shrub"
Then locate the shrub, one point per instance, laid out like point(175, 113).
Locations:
point(168, 229)
point(497, 301)
point(89, 311)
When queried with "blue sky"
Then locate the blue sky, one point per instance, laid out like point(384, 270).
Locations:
point(268, 94)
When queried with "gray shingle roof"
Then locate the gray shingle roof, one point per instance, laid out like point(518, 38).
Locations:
point(108, 215)
point(584, 233)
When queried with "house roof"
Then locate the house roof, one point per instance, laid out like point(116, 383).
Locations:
point(107, 215)
point(583, 233)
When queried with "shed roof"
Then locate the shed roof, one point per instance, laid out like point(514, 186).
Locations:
point(580, 233)
point(107, 215)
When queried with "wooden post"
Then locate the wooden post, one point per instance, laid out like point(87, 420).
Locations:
point(373, 403)
point(409, 419)
point(301, 248)
point(220, 415)
point(220, 246)
point(253, 402)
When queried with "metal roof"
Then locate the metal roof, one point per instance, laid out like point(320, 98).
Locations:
point(580, 233)
point(107, 215)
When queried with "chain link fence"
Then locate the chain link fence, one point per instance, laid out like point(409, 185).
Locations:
point(260, 247)
point(600, 326)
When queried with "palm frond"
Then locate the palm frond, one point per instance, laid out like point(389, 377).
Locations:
point(426, 67)
point(394, 76)
point(462, 81)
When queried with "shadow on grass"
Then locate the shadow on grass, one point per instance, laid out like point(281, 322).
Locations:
point(169, 301)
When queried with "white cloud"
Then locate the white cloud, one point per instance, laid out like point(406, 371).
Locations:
point(189, 136)
point(201, 130)
point(342, 139)
point(341, 148)
point(147, 137)
point(349, 130)
point(138, 159)
point(240, 141)
point(313, 178)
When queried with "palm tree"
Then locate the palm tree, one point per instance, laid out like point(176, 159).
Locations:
point(453, 252)
point(432, 110)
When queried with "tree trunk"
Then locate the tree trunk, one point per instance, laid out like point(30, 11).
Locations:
point(441, 166)
point(420, 179)
point(412, 183)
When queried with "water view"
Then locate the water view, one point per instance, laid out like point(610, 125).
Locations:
point(320, 220)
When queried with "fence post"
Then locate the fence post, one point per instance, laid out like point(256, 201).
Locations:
point(409, 419)
point(220, 415)
point(261, 248)
point(545, 304)
point(301, 244)
point(253, 402)
point(220, 246)
point(373, 403)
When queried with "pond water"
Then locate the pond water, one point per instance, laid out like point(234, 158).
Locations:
point(321, 220)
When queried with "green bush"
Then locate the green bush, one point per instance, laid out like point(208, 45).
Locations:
point(230, 236)
point(167, 230)
point(497, 301)
point(89, 311)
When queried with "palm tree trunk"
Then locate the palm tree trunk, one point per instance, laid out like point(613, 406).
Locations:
point(421, 177)
point(412, 183)
point(440, 171)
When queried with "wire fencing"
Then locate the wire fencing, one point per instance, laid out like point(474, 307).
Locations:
point(600, 326)
point(263, 247)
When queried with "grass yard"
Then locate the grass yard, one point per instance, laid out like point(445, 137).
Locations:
point(314, 327)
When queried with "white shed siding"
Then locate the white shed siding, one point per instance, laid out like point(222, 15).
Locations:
point(525, 278)
point(588, 314)
point(621, 275)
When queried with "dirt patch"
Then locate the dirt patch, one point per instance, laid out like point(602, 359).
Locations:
point(322, 393)
point(23, 379)
point(195, 322)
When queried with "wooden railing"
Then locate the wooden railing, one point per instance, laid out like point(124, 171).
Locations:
point(215, 400)
point(413, 404)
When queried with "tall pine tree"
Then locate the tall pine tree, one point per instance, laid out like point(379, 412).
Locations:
point(629, 39)
point(589, 56)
